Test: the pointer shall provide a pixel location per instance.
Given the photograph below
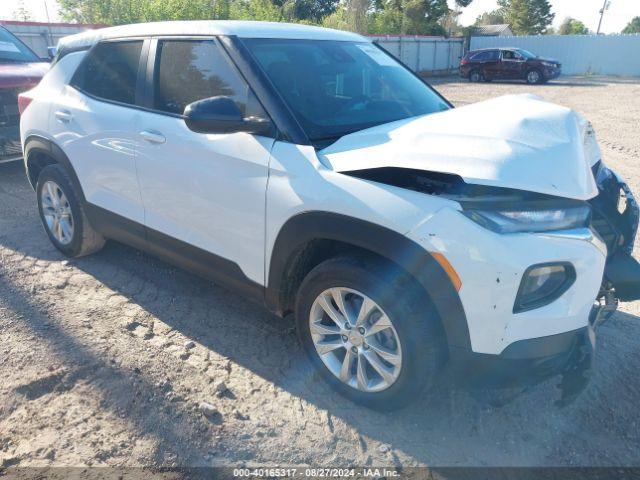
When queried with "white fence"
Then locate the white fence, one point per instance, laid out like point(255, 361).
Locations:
point(39, 36)
point(425, 54)
point(579, 54)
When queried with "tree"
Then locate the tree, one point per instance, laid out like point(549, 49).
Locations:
point(527, 17)
point(571, 26)
point(408, 17)
point(22, 13)
point(633, 26)
point(496, 17)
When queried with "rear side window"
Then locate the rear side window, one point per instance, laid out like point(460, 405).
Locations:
point(191, 70)
point(110, 71)
point(485, 55)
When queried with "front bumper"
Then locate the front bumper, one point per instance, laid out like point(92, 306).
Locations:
point(528, 362)
point(491, 267)
point(550, 73)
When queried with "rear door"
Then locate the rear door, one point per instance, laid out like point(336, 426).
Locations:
point(93, 121)
point(204, 194)
point(491, 64)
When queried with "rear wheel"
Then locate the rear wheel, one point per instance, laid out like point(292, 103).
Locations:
point(476, 76)
point(62, 215)
point(366, 327)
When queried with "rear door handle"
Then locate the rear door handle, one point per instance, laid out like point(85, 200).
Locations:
point(63, 116)
point(153, 137)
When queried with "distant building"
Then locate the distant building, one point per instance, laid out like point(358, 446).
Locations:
point(40, 35)
point(501, 30)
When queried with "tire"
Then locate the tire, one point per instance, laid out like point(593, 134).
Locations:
point(476, 76)
point(78, 238)
point(414, 321)
point(534, 77)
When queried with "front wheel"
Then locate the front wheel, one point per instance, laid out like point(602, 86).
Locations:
point(534, 77)
point(367, 328)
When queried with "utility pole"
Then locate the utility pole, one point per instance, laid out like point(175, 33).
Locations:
point(46, 9)
point(605, 6)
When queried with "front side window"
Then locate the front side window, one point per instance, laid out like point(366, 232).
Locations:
point(192, 70)
point(526, 54)
point(511, 55)
point(13, 50)
point(110, 71)
point(334, 88)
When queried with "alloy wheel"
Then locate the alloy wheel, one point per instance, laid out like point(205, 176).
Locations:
point(533, 76)
point(56, 211)
point(355, 339)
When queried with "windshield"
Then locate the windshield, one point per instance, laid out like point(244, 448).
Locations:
point(13, 50)
point(334, 88)
point(527, 54)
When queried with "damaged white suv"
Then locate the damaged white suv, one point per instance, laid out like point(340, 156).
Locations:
point(309, 170)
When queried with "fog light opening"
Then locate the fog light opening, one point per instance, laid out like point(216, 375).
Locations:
point(542, 284)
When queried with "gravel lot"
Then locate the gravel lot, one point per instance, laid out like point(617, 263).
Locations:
point(95, 370)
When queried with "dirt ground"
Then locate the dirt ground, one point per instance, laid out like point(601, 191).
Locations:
point(95, 367)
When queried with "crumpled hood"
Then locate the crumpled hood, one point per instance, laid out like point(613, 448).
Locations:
point(514, 141)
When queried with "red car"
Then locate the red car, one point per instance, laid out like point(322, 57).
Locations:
point(508, 64)
point(20, 69)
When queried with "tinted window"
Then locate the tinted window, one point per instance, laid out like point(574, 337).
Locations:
point(484, 55)
point(191, 70)
point(110, 71)
point(335, 88)
point(13, 50)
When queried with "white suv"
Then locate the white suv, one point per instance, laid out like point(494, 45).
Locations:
point(313, 172)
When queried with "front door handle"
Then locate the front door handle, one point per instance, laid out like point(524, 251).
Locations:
point(63, 116)
point(153, 137)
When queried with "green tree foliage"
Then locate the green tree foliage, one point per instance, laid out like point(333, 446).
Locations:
point(496, 17)
point(571, 26)
point(633, 26)
point(527, 17)
point(420, 17)
point(409, 17)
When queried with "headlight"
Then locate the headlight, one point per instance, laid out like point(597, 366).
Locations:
point(549, 64)
point(531, 220)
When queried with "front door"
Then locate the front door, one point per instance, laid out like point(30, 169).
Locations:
point(203, 194)
point(513, 64)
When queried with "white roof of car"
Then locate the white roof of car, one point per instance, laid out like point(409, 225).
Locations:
point(244, 29)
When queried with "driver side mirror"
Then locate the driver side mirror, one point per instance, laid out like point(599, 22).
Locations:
point(52, 52)
point(222, 115)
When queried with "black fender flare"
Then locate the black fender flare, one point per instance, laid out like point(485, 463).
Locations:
point(310, 226)
point(36, 144)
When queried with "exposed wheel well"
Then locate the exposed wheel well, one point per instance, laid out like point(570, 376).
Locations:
point(312, 254)
point(36, 161)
